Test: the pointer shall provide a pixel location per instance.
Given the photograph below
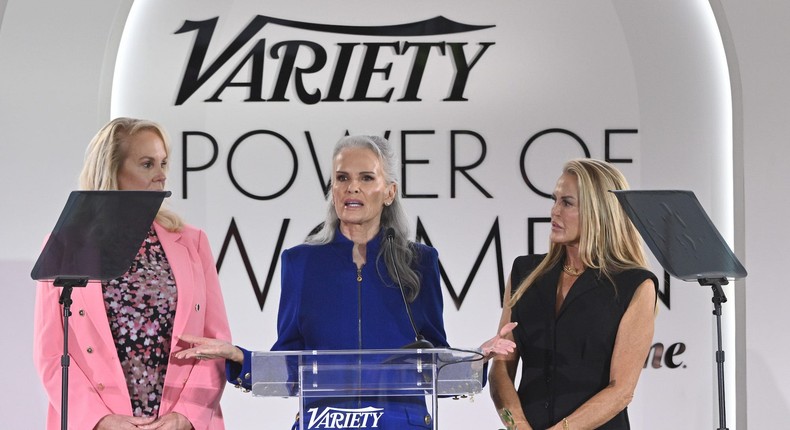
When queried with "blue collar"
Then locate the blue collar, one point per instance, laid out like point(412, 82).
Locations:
point(373, 245)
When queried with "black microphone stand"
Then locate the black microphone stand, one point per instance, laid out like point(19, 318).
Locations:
point(68, 285)
point(718, 299)
point(676, 228)
point(419, 340)
point(96, 237)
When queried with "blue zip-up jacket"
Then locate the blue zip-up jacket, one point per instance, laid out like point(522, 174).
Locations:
point(326, 303)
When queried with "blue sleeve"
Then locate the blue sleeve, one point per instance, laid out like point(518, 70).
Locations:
point(289, 335)
point(240, 374)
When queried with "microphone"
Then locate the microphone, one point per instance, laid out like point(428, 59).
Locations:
point(419, 340)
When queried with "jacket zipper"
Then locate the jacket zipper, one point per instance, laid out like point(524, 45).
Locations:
point(359, 306)
point(359, 327)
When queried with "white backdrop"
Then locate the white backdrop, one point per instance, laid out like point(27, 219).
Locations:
point(582, 68)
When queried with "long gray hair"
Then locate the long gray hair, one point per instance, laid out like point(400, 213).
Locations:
point(400, 257)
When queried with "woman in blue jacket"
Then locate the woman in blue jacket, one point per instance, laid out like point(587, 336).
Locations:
point(339, 289)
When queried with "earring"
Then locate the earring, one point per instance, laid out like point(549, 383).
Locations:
point(387, 203)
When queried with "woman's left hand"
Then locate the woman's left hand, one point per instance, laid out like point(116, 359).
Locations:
point(171, 421)
point(205, 348)
point(501, 344)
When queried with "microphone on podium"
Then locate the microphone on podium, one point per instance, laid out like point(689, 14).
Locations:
point(419, 340)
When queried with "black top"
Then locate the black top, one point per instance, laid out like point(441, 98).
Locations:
point(141, 309)
point(566, 357)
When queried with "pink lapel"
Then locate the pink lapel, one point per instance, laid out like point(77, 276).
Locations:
point(92, 297)
point(181, 263)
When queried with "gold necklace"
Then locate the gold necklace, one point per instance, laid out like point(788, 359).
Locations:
point(571, 270)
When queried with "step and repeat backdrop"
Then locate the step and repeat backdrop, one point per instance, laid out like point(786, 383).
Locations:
point(483, 101)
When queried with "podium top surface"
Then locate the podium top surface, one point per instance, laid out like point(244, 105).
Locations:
point(369, 372)
point(473, 352)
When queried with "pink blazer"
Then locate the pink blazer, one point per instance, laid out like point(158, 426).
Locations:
point(97, 384)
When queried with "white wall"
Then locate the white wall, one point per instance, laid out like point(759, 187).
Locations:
point(759, 38)
point(52, 62)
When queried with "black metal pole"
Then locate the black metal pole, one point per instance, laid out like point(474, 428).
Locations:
point(68, 284)
point(65, 300)
point(718, 299)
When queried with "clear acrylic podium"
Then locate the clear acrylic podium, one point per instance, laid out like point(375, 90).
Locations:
point(364, 381)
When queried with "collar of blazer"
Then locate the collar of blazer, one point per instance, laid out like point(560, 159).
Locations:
point(186, 265)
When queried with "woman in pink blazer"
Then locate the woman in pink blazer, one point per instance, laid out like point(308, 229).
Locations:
point(123, 333)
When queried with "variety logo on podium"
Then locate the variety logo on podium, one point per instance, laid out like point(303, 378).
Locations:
point(338, 418)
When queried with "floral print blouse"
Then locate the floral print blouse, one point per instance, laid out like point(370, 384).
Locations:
point(141, 308)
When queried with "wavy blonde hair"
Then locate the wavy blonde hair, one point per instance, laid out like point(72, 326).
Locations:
point(608, 242)
point(105, 154)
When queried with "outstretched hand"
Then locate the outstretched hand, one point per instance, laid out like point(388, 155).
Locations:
point(205, 348)
point(501, 344)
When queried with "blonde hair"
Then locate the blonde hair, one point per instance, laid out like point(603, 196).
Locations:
point(105, 154)
point(608, 242)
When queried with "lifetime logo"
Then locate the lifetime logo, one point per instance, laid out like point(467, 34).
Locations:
point(339, 418)
point(377, 60)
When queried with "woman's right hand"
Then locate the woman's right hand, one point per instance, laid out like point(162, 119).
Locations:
point(122, 422)
point(204, 348)
point(500, 345)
